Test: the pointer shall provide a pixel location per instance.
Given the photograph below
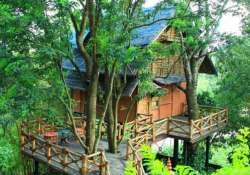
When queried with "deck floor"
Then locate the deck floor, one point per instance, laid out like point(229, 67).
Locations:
point(116, 161)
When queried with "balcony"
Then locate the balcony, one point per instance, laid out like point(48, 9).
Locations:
point(212, 120)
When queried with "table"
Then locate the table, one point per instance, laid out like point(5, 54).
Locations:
point(51, 136)
point(64, 135)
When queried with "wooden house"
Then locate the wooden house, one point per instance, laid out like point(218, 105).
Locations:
point(167, 72)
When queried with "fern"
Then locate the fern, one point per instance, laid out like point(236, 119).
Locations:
point(155, 167)
point(185, 170)
point(130, 169)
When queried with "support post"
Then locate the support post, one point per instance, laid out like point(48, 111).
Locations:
point(189, 152)
point(36, 168)
point(207, 152)
point(185, 152)
point(176, 150)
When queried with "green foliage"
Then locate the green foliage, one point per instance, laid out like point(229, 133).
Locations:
point(233, 83)
point(185, 170)
point(130, 169)
point(154, 166)
point(220, 154)
point(7, 156)
point(206, 98)
point(240, 157)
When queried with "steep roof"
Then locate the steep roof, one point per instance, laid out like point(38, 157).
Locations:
point(73, 81)
point(207, 66)
point(171, 79)
point(147, 34)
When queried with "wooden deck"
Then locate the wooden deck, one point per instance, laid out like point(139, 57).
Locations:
point(143, 130)
point(57, 157)
point(212, 120)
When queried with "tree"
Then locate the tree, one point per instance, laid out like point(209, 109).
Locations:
point(196, 23)
point(233, 63)
point(27, 74)
point(113, 55)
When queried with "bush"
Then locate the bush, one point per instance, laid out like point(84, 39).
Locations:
point(206, 98)
point(7, 156)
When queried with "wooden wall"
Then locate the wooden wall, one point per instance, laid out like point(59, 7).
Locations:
point(172, 104)
point(165, 66)
point(80, 100)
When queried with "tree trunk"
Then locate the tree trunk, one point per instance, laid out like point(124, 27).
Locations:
point(91, 111)
point(111, 132)
point(191, 93)
point(193, 107)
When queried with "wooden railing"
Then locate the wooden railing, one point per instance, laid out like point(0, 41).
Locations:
point(58, 157)
point(208, 124)
point(133, 151)
point(191, 130)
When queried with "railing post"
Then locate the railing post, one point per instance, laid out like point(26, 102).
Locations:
point(65, 159)
point(102, 163)
point(201, 123)
point(33, 145)
point(48, 153)
point(84, 169)
point(128, 151)
point(39, 127)
point(136, 127)
point(153, 131)
point(22, 140)
point(191, 129)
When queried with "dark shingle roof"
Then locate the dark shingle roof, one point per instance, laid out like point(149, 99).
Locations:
point(171, 79)
point(141, 36)
point(66, 63)
point(147, 34)
point(73, 81)
point(207, 66)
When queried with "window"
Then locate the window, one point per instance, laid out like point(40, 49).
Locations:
point(155, 103)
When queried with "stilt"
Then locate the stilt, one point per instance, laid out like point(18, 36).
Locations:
point(36, 170)
point(207, 152)
point(185, 152)
point(189, 153)
point(176, 150)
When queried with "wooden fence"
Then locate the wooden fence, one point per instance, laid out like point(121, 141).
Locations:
point(58, 157)
point(212, 119)
point(133, 149)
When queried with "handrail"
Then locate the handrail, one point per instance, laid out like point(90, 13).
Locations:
point(194, 129)
point(67, 160)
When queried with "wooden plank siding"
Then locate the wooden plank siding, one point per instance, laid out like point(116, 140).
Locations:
point(164, 66)
point(172, 104)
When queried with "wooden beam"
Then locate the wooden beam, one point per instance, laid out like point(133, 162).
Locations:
point(176, 151)
point(207, 152)
point(36, 167)
point(185, 152)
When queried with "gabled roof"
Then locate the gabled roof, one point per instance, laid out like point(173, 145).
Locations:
point(66, 63)
point(145, 35)
point(73, 81)
point(208, 67)
point(171, 79)
point(141, 37)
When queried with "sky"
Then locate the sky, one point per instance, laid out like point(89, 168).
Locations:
point(229, 24)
